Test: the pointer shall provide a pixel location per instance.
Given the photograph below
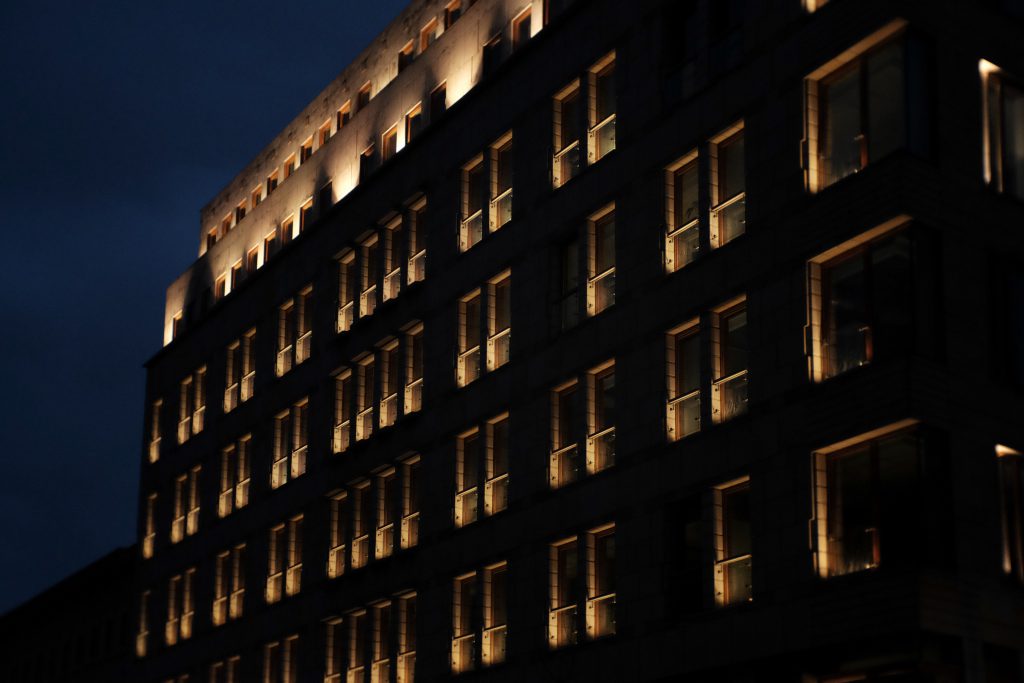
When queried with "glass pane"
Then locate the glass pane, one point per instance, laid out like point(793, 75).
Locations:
point(605, 93)
point(892, 295)
point(604, 569)
point(886, 101)
point(687, 364)
point(499, 601)
point(851, 520)
point(840, 129)
point(1013, 140)
point(605, 401)
point(685, 191)
point(567, 589)
point(504, 161)
point(471, 322)
point(845, 328)
point(736, 514)
point(474, 189)
point(569, 119)
point(604, 244)
point(470, 460)
point(731, 174)
point(502, 301)
point(499, 448)
point(568, 418)
point(734, 343)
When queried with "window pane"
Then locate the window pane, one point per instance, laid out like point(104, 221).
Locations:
point(685, 191)
point(736, 513)
point(604, 244)
point(567, 590)
point(734, 343)
point(569, 118)
point(852, 524)
point(472, 322)
point(502, 303)
point(568, 417)
point(605, 93)
point(604, 565)
point(731, 173)
point(887, 124)
point(687, 364)
point(604, 407)
point(470, 461)
point(504, 162)
point(840, 129)
point(845, 325)
point(499, 448)
point(892, 295)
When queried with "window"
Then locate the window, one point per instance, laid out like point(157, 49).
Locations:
point(281, 661)
point(521, 29)
point(192, 405)
point(271, 182)
point(289, 166)
point(1011, 503)
point(468, 454)
point(294, 331)
point(178, 518)
point(220, 286)
point(344, 115)
point(284, 561)
point(733, 544)
point(381, 661)
point(248, 369)
point(472, 221)
point(192, 515)
point(324, 134)
point(142, 636)
point(499, 320)
point(234, 477)
point(363, 97)
point(856, 114)
point(237, 275)
point(225, 671)
point(452, 13)
point(233, 376)
point(410, 502)
point(428, 34)
point(325, 197)
point(860, 302)
point(366, 398)
point(684, 381)
point(306, 150)
point(211, 238)
point(392, 235)
point(270, 245)
point(358, 637)
point(413, 369)
point(1004, 124)
point(501, 182)
point(387, 508)
point(568, 591)
point(728, 188)
point(495, 627)
point(370, 255)
point(240, 212)
point(405, 57)
point(362, 522)
point(601, 130)
point(291, 439)
point(334, 651)
point(342, 411)
point(155, 430)
point(339, 526)
point(567, 270)
point(601, 582)
point(438, 102)
point(177, 325)
point(407, 638)
point(470, 329)
point(729, 346)
point(496, 465)
point(348, 288)
point(417, 268)
point(252, 260)
point(568, 422)
point(389, 143)
point(601, 262)
point(227, 572)
point(390, 383)
point(367, 163)
point(180, 607)
point(236, 601)
point(865, 495)
point(565, 592)
point(149, 533)
point(413, 123)
point(567, 121)
point(305, 215)
point(285, 338)
point(492, 55)
point(226, 225)
point(463, 632)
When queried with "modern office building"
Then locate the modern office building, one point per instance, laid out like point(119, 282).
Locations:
point(665, 340)
point(79, 630)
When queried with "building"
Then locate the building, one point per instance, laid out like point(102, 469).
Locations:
point(78, 630)
point(464, 386)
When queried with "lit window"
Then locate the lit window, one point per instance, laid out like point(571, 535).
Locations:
point(438, 101)
point(211, 238)
point(413, 123)
point(732, 544)
point(729, 345)
point(226, 224)
point(470, 332)
point(499, 320)
point(294, 331)
point(281, 661)
point(496, 470)
point(864, 497)
point(728, 188)
point(856, 113)
point(463, 631)
point(287, 230)
point(180, 607)
point(521, 29)
point(566, 435)
point(413, 369)
point(601, 127)
point(270, 245)
point(237, 275)
point(348, 289)
point(601, 419)
point(495, 627)
point(468, 453)
point(452, 13)
point(1011, 503)
point(284, 560)
point(291, 439)
point(417, 268)
point(601, 261)
point(306, 150)
point(407, 638)
point(271, 182)
point(365, 398)
point(293, 577)
point(358, 637)
point(233, 376)
point(289, 167)
point(473, 187)
point(305, 215)
point(1004, 123)
point(324, 134)
point(177, 325)
point(325, 197)
point(363, 97)
point(155, 430)
point(234, 477)
point(410, 502)
point(405, 57)
point(387, 508)
point(860, 302)
point(149, 533)
point(252, 260)
point(240, 212)
point(683, 374)
point(601, 582)
point(390, 383)
point(334, 651)
point(344, 115)
point(567, 120)
point(501, 182)
point(236, 601)
point(369, 252)
point(567, 589)
point(565, 592)
point(342, 411)
point(428, 34)
point(192, 514)
point(220, 588)
point(220, 288)
point(389, 143)
point(142, 635)
point(392, 235)
point(225, 671)
point(362, 523)
point(338, 529)
point(381, 660)
point(178, 518)
point(569, 423)
point(248, 369)
point(192, 405)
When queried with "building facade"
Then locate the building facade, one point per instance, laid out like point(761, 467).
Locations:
point(464, 386)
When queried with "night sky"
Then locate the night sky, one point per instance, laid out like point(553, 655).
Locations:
point(118, 121)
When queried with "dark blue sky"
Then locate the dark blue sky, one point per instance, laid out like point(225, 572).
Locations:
point(118, 121)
